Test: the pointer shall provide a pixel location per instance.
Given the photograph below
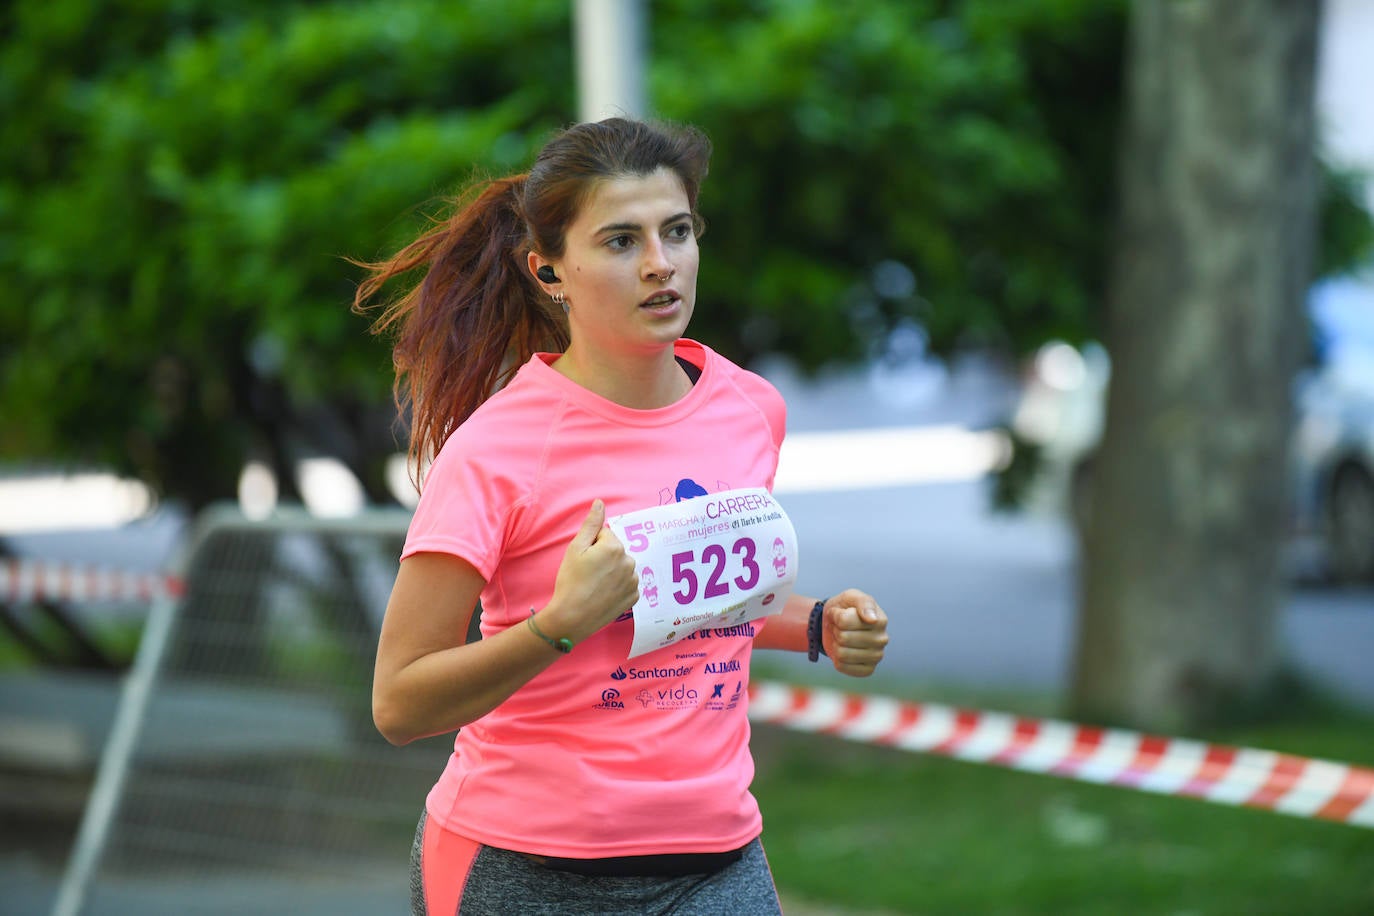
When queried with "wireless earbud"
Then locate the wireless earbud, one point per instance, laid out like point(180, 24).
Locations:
point(546, 274)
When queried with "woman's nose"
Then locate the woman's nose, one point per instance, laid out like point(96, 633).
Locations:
point(656, 264)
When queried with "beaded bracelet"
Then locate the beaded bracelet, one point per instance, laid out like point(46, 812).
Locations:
point(562, 644)
point(815, 647)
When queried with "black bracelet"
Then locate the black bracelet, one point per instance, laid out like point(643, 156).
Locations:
point(815, 647)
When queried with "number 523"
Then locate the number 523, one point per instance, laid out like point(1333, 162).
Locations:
point(713, 556)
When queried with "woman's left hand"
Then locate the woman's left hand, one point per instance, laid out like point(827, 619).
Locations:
point(854, 632)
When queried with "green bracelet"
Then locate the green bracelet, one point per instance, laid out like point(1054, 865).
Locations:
point(564, 645)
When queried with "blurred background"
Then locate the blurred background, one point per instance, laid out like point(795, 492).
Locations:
point(1072, 302)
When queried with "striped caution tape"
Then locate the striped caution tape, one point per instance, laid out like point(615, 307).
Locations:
point(33, 580)
point(1299, 786)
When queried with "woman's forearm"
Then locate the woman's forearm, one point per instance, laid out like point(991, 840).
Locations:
point(787, 630)
point(446, 690)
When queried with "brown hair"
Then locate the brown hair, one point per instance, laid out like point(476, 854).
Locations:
point(477, 315)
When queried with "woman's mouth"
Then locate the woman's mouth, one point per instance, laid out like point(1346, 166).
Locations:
point(664, 300)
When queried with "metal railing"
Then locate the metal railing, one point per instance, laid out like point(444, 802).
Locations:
point(242, 772)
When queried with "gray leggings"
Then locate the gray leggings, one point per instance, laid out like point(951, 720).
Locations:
point(504, 883)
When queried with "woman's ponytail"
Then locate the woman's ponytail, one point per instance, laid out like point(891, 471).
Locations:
point(471, 322)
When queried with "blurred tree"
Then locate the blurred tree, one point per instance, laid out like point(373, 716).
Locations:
point(1213, 254)
point(943, 162)
point(182, 178)
point(180, 181)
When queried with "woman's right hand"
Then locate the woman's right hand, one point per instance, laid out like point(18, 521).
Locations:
point(595, 584)
point(428, 682)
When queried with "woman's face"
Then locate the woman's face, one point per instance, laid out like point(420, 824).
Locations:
point(629, 266)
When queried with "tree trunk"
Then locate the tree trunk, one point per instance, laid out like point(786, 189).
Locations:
point(1180, 583)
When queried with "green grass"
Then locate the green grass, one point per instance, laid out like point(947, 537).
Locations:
point(117, 639)
point(856, 829)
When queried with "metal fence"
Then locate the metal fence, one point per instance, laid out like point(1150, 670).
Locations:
point(243, 773)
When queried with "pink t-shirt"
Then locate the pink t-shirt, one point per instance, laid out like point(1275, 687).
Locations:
point(599, 755)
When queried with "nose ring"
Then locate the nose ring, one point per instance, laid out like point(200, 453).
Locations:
point(664, 278)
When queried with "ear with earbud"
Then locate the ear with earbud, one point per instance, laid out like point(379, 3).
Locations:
point(546, 274)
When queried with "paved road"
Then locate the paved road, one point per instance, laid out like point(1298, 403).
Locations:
point(982, 600)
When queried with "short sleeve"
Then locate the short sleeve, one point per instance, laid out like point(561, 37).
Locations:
point(466, 503)
point(767, 400)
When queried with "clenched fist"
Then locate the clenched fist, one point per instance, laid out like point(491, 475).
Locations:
point(854, 632)
point(596, 581)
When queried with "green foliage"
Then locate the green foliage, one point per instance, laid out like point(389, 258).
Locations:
point(186, 178)
point(182, 180)
point(1344, 225)
point(970, 143)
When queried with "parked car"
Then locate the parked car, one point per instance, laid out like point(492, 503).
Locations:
point(1333, 448)
point(1058, 422)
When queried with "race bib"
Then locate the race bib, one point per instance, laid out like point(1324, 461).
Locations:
point(711, 561)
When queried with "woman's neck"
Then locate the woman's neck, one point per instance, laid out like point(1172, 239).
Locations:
point(640, 383)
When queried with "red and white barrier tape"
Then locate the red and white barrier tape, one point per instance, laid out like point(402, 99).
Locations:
point(31, 580)
point(1299, 786)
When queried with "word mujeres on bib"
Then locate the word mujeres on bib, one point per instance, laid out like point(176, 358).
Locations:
point(710, 561)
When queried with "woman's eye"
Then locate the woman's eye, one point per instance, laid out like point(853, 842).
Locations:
point(680, 231)
point(619, 241)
